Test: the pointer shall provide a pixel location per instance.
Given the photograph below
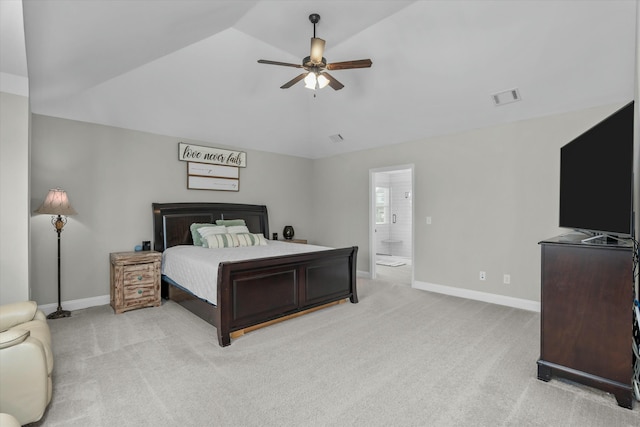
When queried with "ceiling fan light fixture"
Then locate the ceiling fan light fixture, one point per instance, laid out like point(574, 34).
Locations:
point(310, 81)
point(322, 81)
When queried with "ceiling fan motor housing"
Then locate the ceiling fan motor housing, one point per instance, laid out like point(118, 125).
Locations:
point(308, 63)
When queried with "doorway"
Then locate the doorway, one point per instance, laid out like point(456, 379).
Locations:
point(391, 224)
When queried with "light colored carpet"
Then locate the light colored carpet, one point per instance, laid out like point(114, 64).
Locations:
point(401, 357)
point(395, 275)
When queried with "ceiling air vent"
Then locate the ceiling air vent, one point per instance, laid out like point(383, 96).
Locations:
point(336, 138)
point(506, 97)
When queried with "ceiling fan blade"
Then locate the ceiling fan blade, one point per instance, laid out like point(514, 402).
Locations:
point(286, 64)
point(360, 63)
point(336, 85)
point(293, 81)
point(317, 50)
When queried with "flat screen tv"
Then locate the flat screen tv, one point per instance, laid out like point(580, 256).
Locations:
point(596, 178)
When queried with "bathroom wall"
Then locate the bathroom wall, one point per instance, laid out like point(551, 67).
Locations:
point(401, 208)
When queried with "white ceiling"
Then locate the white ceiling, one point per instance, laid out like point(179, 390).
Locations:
point(188, 68)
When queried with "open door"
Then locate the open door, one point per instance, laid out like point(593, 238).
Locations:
point(391, 224)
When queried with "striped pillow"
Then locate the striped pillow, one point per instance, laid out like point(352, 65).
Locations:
point(248, 239)
point(237, 229)
point(210, 230)
point(222, 241)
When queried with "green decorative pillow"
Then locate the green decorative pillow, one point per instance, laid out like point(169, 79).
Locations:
point(222, 241)
point(248, 239)
point(197, 239)
point(228, 222)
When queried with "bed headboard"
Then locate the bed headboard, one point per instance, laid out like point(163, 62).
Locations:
point(171, 221)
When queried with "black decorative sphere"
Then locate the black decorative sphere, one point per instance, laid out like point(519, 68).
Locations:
point(288, 232)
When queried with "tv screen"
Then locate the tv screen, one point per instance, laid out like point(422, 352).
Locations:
point(596, 177)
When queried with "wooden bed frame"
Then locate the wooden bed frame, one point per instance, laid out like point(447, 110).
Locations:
point(260, 291)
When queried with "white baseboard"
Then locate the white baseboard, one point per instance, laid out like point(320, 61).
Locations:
point(76, 304)
point(523, 304)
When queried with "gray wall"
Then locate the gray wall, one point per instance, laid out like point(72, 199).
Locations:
point(112, 176)
point(492, 195)
point(14, 198)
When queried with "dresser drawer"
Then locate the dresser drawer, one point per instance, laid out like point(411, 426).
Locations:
point(138, 274)
point(139, 292)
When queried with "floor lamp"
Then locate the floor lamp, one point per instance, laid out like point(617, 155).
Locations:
point(57, 204)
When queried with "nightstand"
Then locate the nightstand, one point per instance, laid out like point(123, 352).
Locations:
point(135, 280)
point(304, 241)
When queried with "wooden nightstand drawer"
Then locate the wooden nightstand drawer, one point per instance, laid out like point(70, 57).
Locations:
point(139, 293)
point(140, 274)
point(135, 280)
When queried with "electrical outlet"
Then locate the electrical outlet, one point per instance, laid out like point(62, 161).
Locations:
point(506, 279)
point(483, 275)
point(428, 220)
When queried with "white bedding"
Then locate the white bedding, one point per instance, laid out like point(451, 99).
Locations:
point(196, 268)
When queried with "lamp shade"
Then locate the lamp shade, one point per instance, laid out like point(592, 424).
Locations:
point(56, 203)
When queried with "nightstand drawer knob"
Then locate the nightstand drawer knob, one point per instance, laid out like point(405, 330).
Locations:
point(139, 277)
point(139, 291)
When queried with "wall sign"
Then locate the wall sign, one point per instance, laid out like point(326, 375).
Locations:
point(203, 176)
point(209, 183)
point(204, 169)
point(210, 155)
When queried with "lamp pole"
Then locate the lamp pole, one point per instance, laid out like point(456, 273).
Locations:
point(59, 223)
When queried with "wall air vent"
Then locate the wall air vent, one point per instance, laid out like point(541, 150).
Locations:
point(336, 138)
point(506, 97)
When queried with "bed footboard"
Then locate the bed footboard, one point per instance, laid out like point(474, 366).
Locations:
point(258, 291)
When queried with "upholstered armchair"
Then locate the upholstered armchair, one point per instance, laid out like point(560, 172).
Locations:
point(26, 361)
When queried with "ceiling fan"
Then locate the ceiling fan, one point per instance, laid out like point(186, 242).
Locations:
point(315, 76)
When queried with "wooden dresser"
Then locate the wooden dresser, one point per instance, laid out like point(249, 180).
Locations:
point(587, 319)
point(135, 280)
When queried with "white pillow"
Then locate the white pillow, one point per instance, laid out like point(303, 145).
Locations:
point(237, 229)
point(248, 239)
point(222, 241)
point(204, 232)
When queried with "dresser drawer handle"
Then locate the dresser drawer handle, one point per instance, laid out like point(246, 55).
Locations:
point(139, 291)
point(139, 277)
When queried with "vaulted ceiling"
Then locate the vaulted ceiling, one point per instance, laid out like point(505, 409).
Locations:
point(188, 68)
